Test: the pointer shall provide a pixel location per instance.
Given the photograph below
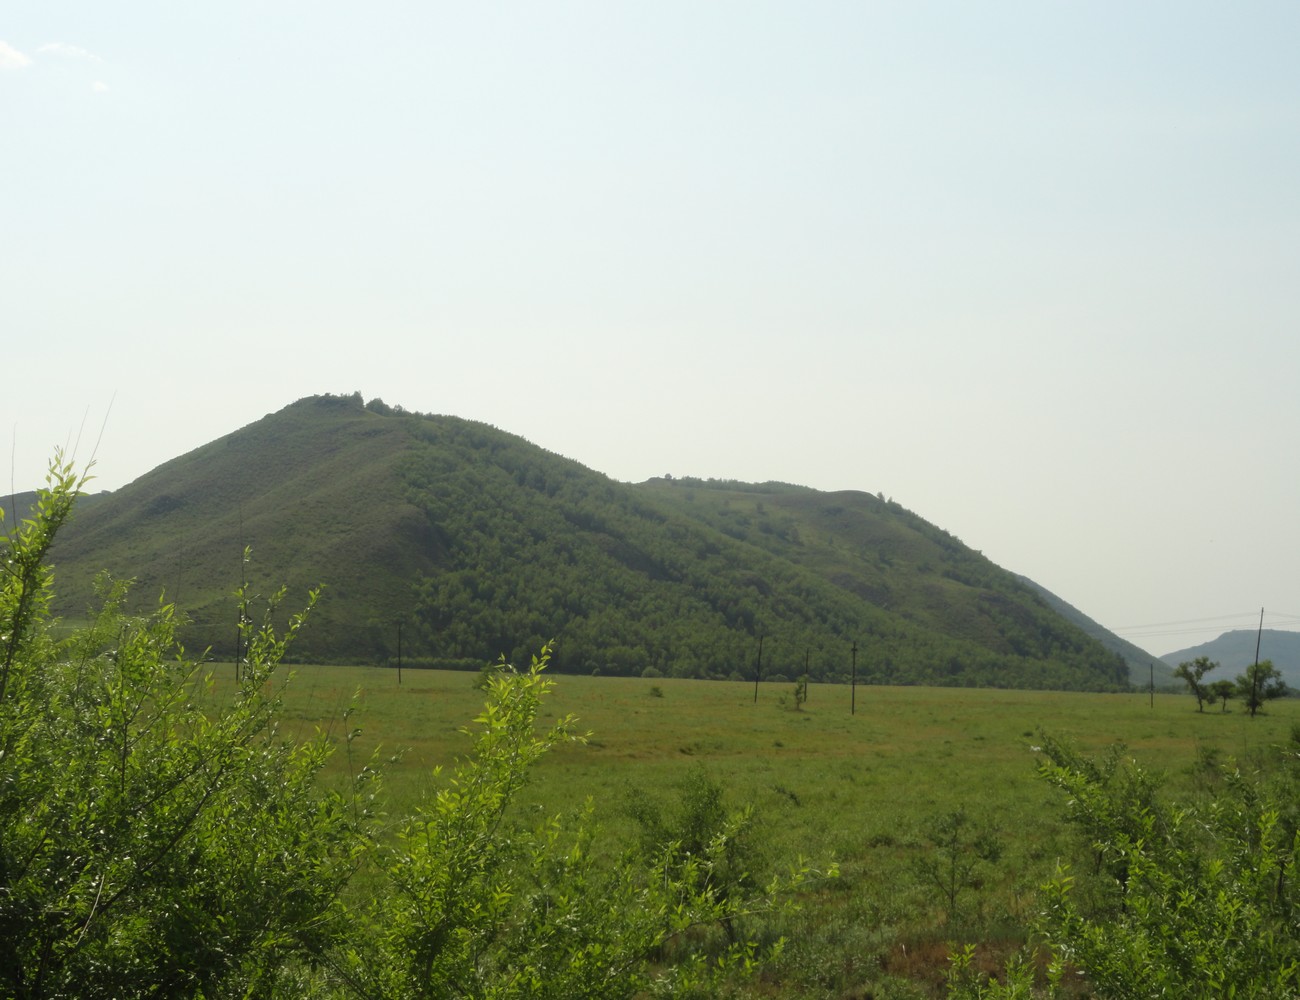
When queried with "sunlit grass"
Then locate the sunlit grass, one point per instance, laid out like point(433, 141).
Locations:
point(825, 782)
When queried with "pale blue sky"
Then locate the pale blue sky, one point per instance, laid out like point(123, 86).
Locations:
point(1028, 268)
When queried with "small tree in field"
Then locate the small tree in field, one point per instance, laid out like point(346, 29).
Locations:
point(1223, 689)
point(1192, 672)
point(959, 856)
point(1260, 683)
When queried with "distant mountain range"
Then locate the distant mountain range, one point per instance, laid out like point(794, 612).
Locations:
point(462, 542)
point(1235, 651)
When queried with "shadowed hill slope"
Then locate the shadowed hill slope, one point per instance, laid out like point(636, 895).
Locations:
point(479, 543)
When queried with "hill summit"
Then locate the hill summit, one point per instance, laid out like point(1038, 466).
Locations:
point(462, 542)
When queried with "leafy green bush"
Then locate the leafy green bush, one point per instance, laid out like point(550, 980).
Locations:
point(699, 825)
point(158, 836)
point(1202, 893)
point(1019, 981)
point(1194, 898)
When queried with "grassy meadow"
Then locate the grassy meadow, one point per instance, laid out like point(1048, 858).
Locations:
point(860, 788)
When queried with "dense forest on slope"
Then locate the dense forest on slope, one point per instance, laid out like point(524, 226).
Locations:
point(464, 542)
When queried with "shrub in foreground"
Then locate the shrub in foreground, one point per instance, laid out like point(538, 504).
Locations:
point(1194, 898)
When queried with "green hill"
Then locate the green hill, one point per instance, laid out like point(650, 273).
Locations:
point(479, 543)
point(1236, 650)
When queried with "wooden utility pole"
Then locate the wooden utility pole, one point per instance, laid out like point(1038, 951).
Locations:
point(758, 668)
point(399, 652)
point(807, 655)
point(243, 592)
point(1152, 668)
point(1254, 674)
point(180, 572)
point(853, 683)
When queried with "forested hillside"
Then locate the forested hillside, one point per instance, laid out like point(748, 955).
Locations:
point(463, 542)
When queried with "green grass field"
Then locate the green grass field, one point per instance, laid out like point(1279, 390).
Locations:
point(860, 788)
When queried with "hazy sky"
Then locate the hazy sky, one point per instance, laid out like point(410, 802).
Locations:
point(1028, 268)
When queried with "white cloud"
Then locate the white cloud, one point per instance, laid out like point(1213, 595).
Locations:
point(99, 87)
point(70, 51)
point(11, 58)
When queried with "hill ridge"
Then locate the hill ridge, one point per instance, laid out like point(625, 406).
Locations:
point(479, 543)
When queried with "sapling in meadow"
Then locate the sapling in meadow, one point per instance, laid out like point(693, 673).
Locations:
point(959, 855)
